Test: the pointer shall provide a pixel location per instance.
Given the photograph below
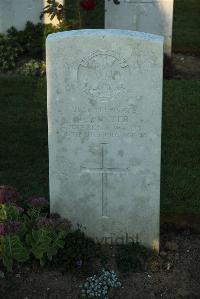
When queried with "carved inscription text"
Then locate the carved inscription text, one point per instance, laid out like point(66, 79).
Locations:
point(104, 121)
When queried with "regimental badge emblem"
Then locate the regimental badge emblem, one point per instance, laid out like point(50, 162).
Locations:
point(103, 75)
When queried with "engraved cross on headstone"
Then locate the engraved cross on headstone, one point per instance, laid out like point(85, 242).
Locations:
point(105, 171)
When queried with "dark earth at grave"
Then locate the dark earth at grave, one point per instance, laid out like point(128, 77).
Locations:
point(182, 67)
point(175, 273)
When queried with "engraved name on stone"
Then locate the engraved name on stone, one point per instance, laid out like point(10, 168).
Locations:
point(102, 121)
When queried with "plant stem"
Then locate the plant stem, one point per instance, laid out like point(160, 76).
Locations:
point(79, 14)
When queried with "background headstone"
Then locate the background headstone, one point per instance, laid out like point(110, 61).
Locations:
point(151, 16)
point(104, 122)
point(18, 12)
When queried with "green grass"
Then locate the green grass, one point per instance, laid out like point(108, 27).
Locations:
point(180, 189)
point(24, 148)
point(186, 32)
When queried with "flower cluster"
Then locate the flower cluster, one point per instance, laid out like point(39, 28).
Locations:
point(18, 208)
point(79, 264)
point(8, 194)
point(98, 286)
point(54, 221)
point(88, 4)
point(8, 227)
point(44, 222)
point(30, 230)
point(91, 4)
point(13, 226)
point(38, 202)
point(60, 222)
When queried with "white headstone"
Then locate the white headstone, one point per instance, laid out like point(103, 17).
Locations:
point(18, 12)
point(104, 122)
point(151, 16)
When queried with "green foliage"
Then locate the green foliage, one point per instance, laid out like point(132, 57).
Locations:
point(68, 15)
point(49, 28)
point(31, 39)
point(12, 249)
point(132, 257)
point(54, 9)
point(32, 68)
point(45, 242)
point(11, 236)
point(18, 46)
point(10, 51)
point(8, 212)
point(30, 232)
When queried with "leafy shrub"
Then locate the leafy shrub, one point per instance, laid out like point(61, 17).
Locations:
point(8, 193)
point(32, 68)
point(26, 232)
point(28, 43)
point(10, 51)
point(99, 286)
point(54, 9)
point(11, 236)
point(32, 39)
point(132, 257)
point(47, 236)
point(45, 240)
point(12, 248)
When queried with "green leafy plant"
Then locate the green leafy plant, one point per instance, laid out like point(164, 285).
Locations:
point(11, 236)
point(31, 39)
point(45, 243)
point(26, 48)
point(32, 68)
point(28, 231)
point(10, 51)
point(46, 234)
point(45, 240)
point(12, 249)
point(54, 9)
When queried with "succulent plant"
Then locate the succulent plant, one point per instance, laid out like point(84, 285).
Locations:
point(98, 286)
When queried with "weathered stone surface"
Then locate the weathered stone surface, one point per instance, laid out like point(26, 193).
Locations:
point(104, 118)
point(152, 16)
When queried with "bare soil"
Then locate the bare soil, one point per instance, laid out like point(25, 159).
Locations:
point(186, 67)
point(175, 273)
